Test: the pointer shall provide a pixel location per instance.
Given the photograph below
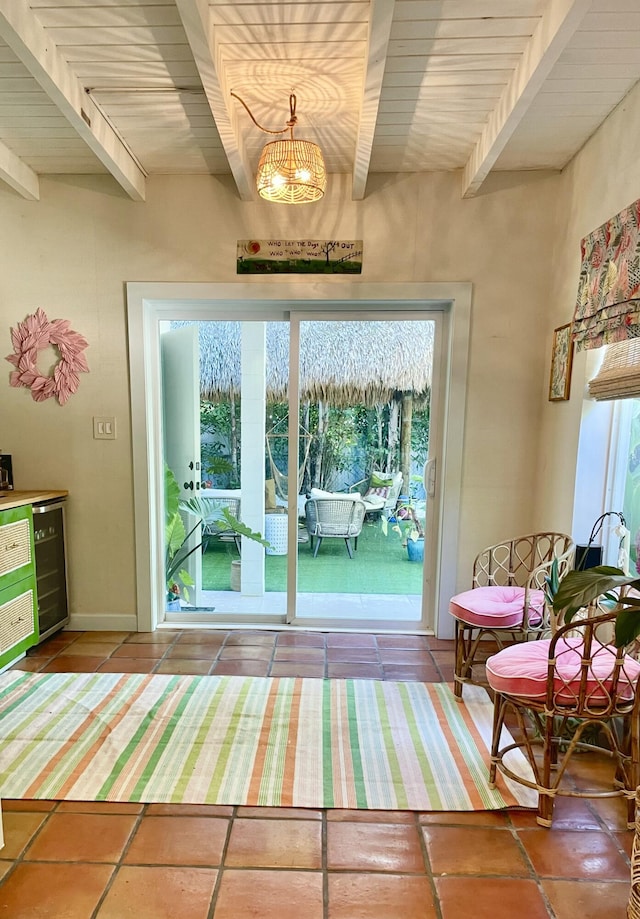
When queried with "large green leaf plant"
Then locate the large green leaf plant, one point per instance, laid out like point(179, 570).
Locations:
point(578, 589)
point(199, 507)
point(177, 539)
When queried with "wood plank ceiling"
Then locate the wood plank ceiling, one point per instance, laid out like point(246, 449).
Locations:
point(142, 87)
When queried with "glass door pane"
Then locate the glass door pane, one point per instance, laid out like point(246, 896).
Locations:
point(364, 404)
point(232, 491)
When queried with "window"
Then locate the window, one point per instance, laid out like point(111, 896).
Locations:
point(608, 475)
point(626, 471)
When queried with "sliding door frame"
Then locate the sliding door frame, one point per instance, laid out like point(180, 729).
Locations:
point(150, 303)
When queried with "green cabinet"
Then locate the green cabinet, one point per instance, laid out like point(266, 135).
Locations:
point(18, 600)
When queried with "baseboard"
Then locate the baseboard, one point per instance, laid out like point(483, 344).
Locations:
point(102, 622)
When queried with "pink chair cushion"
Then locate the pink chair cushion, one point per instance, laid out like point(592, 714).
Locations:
point(496, 607)
point(521, 670)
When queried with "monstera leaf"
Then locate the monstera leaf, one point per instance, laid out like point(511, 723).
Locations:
point(176, 539)
point(580, 588)
point(197, 507)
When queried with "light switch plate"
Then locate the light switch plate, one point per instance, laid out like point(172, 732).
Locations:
point(104, 427)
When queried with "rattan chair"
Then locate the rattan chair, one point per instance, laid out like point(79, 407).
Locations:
point(335, 518)
point(507, 599)
point(575, 691)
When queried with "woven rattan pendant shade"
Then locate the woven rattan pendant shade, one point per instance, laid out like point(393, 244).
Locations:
point(291, 172)
point(619, 375)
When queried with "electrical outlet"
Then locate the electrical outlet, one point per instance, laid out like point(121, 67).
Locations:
point(104, 428)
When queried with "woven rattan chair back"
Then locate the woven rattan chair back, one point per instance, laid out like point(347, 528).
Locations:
point(589, 702)
point(334, 518)
point(523, 562)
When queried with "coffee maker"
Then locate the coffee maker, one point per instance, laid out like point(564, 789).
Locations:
point(6, 473)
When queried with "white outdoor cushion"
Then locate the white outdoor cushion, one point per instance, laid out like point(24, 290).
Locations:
point(338, 495)
point(374, 502)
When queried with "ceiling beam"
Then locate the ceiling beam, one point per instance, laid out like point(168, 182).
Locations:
point(27, 38)
point(18, 175)
point(559, 22)
point(196, 20)
point(380, 20)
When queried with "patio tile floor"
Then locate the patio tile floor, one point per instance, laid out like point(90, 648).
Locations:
point(107, 861)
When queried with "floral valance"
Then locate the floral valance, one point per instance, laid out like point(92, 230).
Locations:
point(608, 303)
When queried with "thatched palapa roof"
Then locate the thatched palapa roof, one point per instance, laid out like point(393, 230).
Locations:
point(341, 362)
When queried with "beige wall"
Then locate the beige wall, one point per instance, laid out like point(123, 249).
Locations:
point(71, 253)
point(602, 180)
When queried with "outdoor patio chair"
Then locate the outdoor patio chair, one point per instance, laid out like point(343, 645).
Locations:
point(507, 600)
point(380, 492)
point(573, 692)
point(336, 517)
point(214, 526)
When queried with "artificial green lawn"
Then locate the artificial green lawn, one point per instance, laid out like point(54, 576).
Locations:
point(379, 566)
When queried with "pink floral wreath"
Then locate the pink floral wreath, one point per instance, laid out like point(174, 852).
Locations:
point(32, 336)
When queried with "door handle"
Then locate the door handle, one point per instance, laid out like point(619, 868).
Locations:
point(188, 485)
point(191, 465)
point(429, 477)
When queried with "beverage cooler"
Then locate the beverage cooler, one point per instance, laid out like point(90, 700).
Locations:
point(51, 573)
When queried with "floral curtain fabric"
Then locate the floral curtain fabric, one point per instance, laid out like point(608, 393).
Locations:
point(608, 302)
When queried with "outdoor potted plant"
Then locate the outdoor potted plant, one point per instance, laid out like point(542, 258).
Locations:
point(409, 527)
point(177, 550)
point(230, 524)
point(177, 539)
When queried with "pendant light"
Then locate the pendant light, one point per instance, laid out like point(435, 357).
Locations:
point(290, 171)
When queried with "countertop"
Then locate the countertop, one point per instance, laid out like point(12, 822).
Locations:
point(16, 498)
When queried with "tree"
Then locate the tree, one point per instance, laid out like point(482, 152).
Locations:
point(394, 434)
point(219, 443)
point(328, 247)
point(405, 440)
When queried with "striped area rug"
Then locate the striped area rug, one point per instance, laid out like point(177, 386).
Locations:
point(247, 740)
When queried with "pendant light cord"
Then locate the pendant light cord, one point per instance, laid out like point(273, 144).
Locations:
point(290, 123)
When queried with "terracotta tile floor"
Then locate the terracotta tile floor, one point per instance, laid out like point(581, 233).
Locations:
point(113, 861)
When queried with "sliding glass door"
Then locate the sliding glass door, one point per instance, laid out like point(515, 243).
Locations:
point(366, 539)
point(315, 435)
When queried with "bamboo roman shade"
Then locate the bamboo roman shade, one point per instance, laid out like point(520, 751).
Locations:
point(608, 302)
point(619, 375)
